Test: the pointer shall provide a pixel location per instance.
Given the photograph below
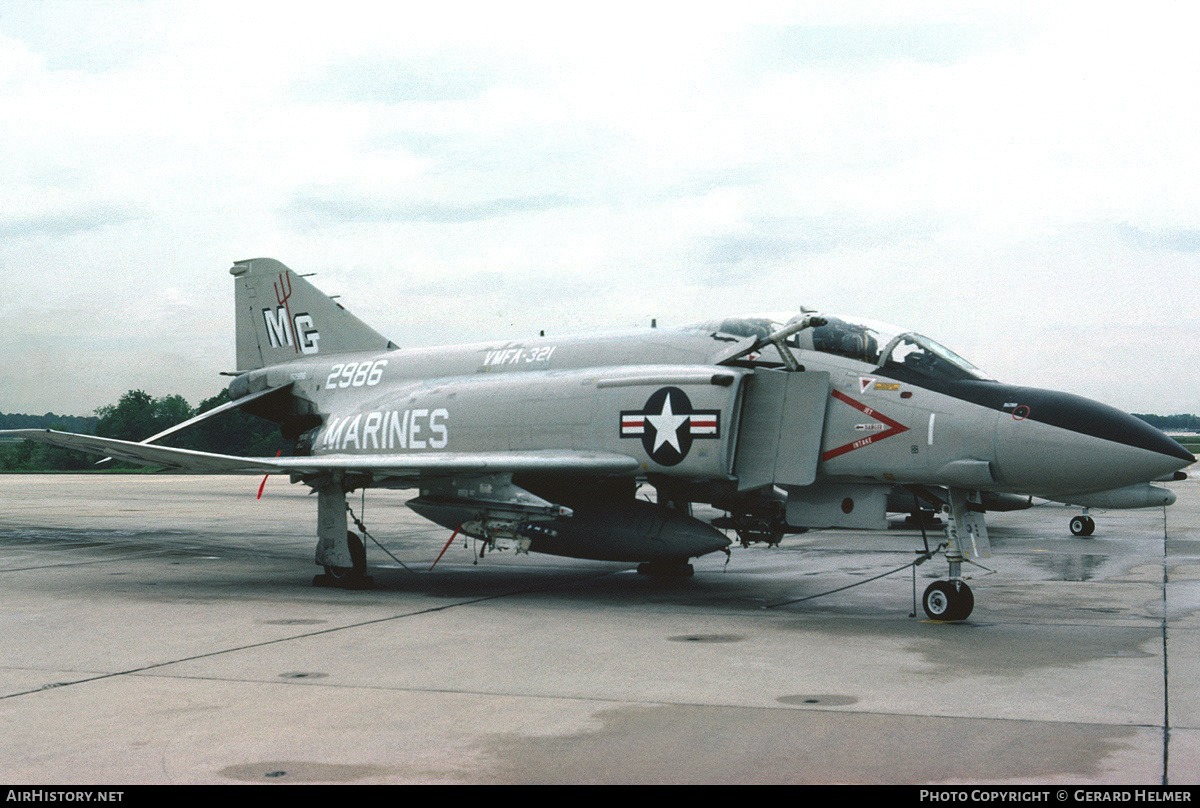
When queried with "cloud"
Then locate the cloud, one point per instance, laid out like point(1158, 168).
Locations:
point(66, 223)
point(450, 73)
point(769, 241)
point(1177, 239)
point(310, 211)
point(756, 249)
point(792, 47)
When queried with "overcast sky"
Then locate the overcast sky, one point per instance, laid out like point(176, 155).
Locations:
point(1020, 181)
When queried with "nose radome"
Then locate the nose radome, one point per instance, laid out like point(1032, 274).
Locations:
point(1087, 417)
point(1055, 442)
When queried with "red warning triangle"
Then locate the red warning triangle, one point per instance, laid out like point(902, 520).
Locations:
point(893, 427)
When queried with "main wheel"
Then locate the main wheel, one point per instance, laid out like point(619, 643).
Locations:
point(358, 560)
point(948, 600)
point(1083, 525)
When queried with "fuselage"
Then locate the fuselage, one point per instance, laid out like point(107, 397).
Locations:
point(919, 420)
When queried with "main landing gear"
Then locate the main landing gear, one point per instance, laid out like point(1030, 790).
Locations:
point(339, 551)
point(1083, 525)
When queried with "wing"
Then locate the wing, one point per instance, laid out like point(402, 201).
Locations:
point(404, 466)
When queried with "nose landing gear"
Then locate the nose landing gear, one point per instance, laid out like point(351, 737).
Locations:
point(966, 539)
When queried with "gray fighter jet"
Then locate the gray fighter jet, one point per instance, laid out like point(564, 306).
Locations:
point(784, 423)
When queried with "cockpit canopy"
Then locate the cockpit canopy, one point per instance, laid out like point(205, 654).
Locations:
point(890, 350)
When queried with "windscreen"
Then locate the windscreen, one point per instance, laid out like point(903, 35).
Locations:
point(914, 354)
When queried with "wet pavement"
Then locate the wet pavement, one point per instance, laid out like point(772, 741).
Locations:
point(164, 629)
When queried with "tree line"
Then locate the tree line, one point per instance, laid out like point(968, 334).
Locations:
point(1181, 422)
point(137, 416)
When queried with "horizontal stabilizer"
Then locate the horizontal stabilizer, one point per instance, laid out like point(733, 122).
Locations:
point(204, 416)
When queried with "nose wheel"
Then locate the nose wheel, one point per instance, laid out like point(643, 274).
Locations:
point(948, 600)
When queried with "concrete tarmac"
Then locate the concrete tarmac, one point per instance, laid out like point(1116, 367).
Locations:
point(164, 629)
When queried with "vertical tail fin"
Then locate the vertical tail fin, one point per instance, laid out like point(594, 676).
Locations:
point(282, 317)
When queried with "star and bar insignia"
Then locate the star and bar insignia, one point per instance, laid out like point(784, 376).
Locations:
point(668, 424)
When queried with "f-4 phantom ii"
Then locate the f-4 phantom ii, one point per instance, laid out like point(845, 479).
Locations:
point(784, 423)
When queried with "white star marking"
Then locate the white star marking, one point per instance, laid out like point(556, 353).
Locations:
point(666, 426)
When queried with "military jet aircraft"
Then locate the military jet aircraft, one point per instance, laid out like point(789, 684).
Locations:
point(787, 422)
